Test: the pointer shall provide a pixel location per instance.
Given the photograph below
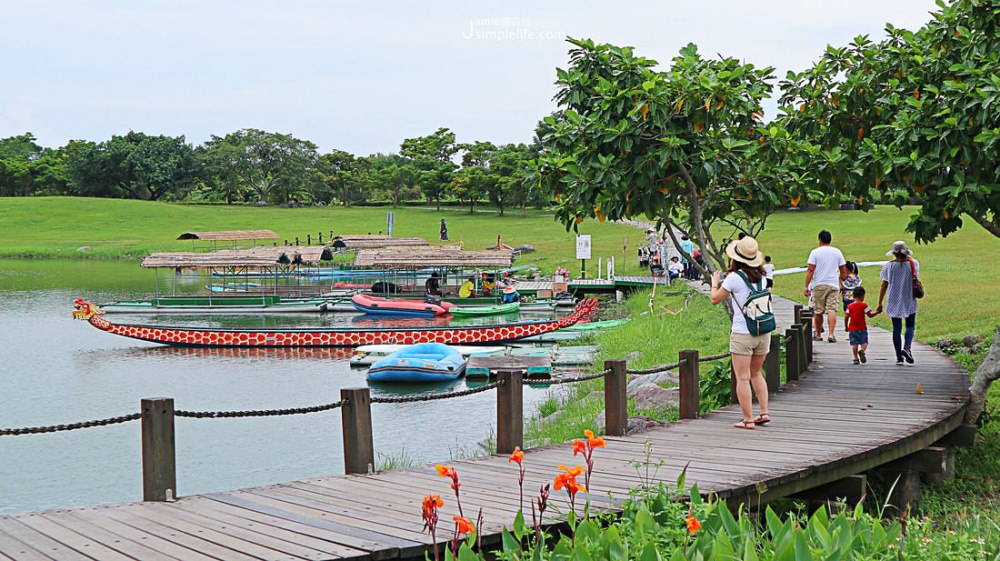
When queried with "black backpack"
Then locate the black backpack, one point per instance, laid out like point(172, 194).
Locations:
point(757, 308)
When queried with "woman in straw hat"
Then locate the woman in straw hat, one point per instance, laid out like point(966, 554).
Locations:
point(748, 351)
point(897, 279)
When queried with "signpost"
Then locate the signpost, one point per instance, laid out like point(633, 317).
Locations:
point(390, 220)
point(583, 252)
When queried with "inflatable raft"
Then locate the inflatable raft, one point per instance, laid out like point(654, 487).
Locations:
point(423, 362)
point(397, 307)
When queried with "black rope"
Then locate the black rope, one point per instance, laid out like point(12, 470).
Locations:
point(435, 396)
point(259, 413)
point(71, 426)
point(655, 369)
point(573, 380)
point(714, 357)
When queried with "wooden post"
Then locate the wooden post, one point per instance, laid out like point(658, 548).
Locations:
point(296, 240)
point(510, 411)
point(159, 468)
point(807, 320)
point(805, 357)
point(797, 313)
point(615, 398)
point(356, 416)
point(309, 239)
point(320, 238)
point(793, 334)
point(772, 364)
point(688, 380)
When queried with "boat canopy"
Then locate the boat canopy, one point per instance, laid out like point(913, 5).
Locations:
point(262, 257)
point(348, 241)
point(230, 235)
point(432, 257)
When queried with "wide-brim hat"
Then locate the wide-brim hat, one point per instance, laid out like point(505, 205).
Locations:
point(898, 247)
point(653, 230)
point(745, 251)
point(508, 290)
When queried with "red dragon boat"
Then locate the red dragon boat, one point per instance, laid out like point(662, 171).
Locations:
point(327, 337)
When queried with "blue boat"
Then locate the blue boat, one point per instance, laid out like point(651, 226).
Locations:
point(423, 362)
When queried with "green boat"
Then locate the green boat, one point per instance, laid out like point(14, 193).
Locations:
point(596, 325)
point(494, 310)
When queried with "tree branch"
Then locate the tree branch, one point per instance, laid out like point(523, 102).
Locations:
point(987, 224)
point(986, 374)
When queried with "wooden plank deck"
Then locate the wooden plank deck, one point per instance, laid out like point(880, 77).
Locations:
point(838, 420)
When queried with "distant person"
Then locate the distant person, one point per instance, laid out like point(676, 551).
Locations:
point(510, 295)
point(826, 268)
point(769, 271)
point(489, 284)
point(852, 281)
point(444, 231)
point(687, 249)
point(897, 280)
point(433, 285)
point(468, 288)
point(675, 269)
point(748, 350)
point(857, 324)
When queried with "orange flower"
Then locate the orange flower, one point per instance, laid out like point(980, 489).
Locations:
point(449, 471)
point(516, 456)
point(579, 447)
point(595, 442)
point(464, 526)
point(693, 524)
point(433, 501)
point(568, 480)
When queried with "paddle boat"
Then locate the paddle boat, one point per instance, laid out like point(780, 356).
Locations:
point(331, 337)
point(395, 307)
point(424, 362)
point(367, 355)
point(494, 310)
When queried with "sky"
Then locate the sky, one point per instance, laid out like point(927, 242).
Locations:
point(362, 76)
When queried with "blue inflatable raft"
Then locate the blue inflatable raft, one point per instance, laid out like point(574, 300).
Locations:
point(423, 362)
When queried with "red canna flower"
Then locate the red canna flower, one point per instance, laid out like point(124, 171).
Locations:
point(692, 522)
point(580, 447)
point(449, 471)
point(464, 526)
point(516, 456)
point(594, 442)
point(431, 504)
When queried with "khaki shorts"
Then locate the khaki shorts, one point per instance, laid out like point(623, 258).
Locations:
point(746, 344)
point(826, 299)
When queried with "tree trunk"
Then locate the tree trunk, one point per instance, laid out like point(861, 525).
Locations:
point(987, 372)
point(983, 221)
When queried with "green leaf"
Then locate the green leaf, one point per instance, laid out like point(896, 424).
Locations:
point(802, 551)
point(520, 528)
point(465, 553)
point(650, 553)
point(510, 544)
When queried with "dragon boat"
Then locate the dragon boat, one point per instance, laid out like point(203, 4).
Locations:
point(332, 337)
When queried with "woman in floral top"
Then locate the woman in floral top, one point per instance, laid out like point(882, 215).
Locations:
point(897, 281)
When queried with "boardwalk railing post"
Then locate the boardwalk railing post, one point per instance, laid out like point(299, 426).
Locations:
point(806, 319)
point(159, 468)
point(510, 411)
point(793, 334)
point(356, 415)
point(690, 399)
point(806, 357)
point(772, 364)
point(615, 398)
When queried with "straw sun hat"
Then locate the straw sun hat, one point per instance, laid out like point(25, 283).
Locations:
point(745, 251)
point(508, 290)
point(899, 247)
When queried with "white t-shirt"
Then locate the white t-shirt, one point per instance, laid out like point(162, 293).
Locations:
point(769, 269)
point(827, 260)
point(739, 291)
point(676, 267)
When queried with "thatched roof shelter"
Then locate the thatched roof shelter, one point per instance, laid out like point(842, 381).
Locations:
point(230, 235)
point(423, 257)
point(261, 257)
point(375, 241)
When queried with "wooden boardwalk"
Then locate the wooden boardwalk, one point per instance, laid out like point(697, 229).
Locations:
point(838, 420)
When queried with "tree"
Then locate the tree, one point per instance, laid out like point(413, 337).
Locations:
point(26, 168)
point(684, 147)
point(340, 172)
point(263, 161)
point(138, 165)
point(431, 156)
point(394, 176)
point(913, 118)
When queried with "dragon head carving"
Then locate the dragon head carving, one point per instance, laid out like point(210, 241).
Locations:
point(85, 310)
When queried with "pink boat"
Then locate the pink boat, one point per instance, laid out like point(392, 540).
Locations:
point(396, 307)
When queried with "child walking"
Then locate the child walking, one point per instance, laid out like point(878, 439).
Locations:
point(857, 325)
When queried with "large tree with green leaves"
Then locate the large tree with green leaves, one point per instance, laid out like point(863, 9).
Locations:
point(142, 166)
point(264, 162)
point(432, 160)
point(915, 117)
point(684, 147)
point(27, 168)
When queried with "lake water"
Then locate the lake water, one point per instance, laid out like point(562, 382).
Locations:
point(55, 369)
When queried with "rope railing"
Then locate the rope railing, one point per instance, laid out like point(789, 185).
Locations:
point(259, 413)
point(655, 369)
point(714, 357)
point(573, 380)
point(71, 426)
point(437, 396)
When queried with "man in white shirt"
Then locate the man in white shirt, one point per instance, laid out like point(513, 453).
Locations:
point(826, 269)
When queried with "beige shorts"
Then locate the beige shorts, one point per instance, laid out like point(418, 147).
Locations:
point(826, 299)
point(746, 344)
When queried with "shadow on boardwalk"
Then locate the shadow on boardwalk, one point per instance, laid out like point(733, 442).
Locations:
point(839, 419)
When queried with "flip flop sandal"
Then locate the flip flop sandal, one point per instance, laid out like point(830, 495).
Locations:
point(747, 424)
point(761, 420)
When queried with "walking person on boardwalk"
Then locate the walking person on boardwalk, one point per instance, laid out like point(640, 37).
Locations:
point(856, 324)
point(897, 280)
point(748, 350)
point(826, 268)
